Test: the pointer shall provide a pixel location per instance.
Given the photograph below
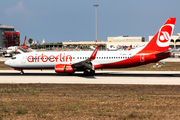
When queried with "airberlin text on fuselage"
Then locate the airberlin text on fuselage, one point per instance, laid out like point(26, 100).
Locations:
point(51, 58)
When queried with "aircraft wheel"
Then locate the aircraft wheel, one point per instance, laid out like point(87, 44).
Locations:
point(70, 73)
point(86, 72)
point(92, 72)
point(22, 72)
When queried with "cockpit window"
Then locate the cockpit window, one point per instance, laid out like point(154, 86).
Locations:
point(13, 58)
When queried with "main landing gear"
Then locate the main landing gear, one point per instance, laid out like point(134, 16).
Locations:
point(92, 72)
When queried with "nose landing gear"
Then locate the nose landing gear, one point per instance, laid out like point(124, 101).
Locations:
point(22, 72)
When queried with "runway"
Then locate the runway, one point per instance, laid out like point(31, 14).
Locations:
point(101, 77)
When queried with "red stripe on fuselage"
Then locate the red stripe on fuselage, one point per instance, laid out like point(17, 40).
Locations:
point(137, 60)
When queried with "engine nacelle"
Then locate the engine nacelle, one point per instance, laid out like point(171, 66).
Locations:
point(64, 68)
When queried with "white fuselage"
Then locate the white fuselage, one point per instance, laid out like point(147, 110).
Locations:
point(50, 59)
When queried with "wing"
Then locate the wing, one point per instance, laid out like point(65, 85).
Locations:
point(87, 63)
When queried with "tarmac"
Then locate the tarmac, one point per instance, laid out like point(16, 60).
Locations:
point(4, 58)
point(101, 77)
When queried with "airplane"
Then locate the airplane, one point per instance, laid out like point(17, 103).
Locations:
point(113, 48)
point(88, 61)
point(24, 43)
point(12, 50)
point(129, 47)
point(16, 49)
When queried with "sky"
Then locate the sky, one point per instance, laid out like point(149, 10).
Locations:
point(65, 20)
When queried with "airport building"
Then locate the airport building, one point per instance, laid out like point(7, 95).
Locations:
point(111, 41)
point(85, 44)
point(126, 41)
point(175, 41)
point(8, 33)
point(122, 41)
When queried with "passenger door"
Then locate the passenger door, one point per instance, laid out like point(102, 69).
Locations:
point(23, 59)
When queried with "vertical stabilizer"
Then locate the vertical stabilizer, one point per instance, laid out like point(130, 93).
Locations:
point(24, 44)
point(161, 41)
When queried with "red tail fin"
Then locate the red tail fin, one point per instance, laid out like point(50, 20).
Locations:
point(24, 44)
point(161, 41)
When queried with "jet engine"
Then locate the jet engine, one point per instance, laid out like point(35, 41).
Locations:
point(64, 68)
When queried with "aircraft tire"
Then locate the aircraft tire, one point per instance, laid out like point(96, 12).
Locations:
point(92, 72)
point(22, 72)
point(86, 72)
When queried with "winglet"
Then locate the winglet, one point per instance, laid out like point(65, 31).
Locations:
point(93, 56)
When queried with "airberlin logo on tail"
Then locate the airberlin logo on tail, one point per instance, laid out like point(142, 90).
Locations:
point(164, 35)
